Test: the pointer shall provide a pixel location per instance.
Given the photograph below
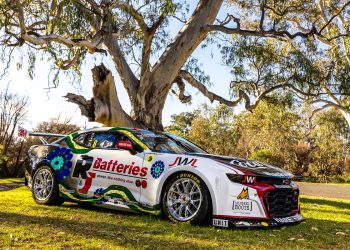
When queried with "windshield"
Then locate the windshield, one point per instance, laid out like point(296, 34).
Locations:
point(158, 142)
point(167, 143)
point(191, 147)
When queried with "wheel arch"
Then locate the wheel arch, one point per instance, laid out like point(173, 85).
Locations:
point(161, 187)
point(40, 164)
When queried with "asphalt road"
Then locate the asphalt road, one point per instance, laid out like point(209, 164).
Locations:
point(336, 191)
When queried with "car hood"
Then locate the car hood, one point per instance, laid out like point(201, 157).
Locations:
point(255, 167)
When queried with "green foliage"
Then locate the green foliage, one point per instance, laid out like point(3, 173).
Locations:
point(3, 158)
point(214, 132)
point(73, 21)
point(262, 155)
point(331, 142)
point(181, 123)
point(275, 132)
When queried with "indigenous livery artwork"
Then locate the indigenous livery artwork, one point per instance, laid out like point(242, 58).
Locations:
point(159, 173)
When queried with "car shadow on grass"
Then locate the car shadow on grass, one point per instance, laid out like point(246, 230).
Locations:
point(320, 201)
point(131, 231)
point(10, 186)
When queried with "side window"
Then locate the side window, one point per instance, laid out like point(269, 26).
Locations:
point(103, 140)
point(81, 139)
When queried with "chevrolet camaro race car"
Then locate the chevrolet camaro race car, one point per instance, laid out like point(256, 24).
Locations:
point(160, 173)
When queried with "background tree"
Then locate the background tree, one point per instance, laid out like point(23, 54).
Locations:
point(13, 110)
point(17, 155)
point(137, 32)
point(316, 71)
point(277, 132)
point(181, 123)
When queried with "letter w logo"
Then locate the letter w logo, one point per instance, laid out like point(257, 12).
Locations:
point(185, 161)
point(250, 179)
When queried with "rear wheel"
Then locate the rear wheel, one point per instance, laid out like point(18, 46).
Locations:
point(186, 198)
point(45, 187)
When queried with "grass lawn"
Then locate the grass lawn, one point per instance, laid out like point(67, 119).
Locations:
point(26, 225)
point(11, 180)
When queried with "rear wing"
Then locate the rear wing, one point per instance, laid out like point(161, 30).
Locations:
point(24, 133)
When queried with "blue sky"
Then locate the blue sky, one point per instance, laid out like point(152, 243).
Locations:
point(46, 104)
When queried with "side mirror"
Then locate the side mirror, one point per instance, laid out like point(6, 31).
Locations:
point(124, 145)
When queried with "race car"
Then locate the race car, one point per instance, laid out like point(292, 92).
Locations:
point(159, 173)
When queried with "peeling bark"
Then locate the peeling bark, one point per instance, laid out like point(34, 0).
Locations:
point(104, 107)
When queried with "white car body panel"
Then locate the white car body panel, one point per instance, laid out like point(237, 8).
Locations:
point(134, 181)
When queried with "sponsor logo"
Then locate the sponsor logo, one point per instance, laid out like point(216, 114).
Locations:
point(22, 132)
point(157, 169)
point(243, 223)
point(142, 183)
point(286, 182)
point(244, 194)
point(220, 223)
point(150, 158)
point(249, 179)
point(88, 183)
point(245, 163)
point(119, 168)
point(242, 206)
point(290, 219)
point(179, 161)
point(83, 166)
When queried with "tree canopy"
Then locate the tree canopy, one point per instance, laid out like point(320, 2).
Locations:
point(271, 45)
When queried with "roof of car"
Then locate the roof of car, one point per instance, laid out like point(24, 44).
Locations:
point(101, 129)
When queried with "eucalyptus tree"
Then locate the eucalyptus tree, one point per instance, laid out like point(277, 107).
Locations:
point(136, 32)
point(315, 70)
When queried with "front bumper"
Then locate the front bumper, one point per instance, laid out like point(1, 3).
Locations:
point(234, 222)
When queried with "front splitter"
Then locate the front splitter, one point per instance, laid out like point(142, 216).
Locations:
point(227, 222)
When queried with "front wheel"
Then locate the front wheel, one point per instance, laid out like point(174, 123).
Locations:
point(186, 198)
point(45, 187)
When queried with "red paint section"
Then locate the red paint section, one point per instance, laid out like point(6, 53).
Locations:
point(193, 163)
point(173, 164)
point(88, 183)
point(124, 145)
point(217, 216)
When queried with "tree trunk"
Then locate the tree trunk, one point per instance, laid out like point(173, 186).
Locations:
point(148, 93)
point(346, 116)
point(104, 107)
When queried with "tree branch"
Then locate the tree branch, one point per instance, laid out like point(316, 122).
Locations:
point(129, 9)
point(129, 80)
point(273, 32)
point(86, 107)
point(40, 40)
point(186, 41)
point(334, 16)
point(181, 95)
point(214, 97)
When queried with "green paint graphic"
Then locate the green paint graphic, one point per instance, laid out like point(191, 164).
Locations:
point(114, 191)
point(57, 162)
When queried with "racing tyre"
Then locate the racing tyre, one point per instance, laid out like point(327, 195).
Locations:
point(186, 199)
point(45, 187)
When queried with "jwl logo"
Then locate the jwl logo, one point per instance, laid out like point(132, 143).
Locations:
point(220, 223)
point(184, 162)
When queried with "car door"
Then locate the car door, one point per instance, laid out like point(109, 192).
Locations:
point(109, 171)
